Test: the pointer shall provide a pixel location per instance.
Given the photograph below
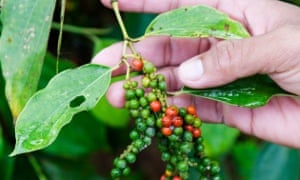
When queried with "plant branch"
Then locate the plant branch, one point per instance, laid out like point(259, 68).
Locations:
point(115, 6)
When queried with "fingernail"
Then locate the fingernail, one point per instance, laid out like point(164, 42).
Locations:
point(191, 70)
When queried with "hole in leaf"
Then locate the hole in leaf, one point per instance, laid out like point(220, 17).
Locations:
point(77, 101)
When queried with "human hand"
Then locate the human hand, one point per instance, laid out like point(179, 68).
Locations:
point(273, 50)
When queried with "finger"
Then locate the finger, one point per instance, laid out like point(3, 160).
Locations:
point(162, 51)
point(230, 60)
point(248, 12)
point(156, 6)
point(269, 122)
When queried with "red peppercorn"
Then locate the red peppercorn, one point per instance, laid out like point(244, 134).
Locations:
point(191, 110)
point(163, 177)
point(137, 64)
point(172, 111)
point(189, 128)
point(155, 106)
point(176, 178)
point(196, 132)
point(177, 121)
point(166, 131)
point(166, 121)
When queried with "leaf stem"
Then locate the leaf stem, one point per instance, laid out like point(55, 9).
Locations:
point(36, 166)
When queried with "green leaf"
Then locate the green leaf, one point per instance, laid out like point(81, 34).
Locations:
point(23, 42)
point(49, 68)
point(244, 166)
point(218, 139)
point(60, 169)
point(117, 117)
point(68, 93)
point(276, 163)
point(196, 21)
point(83, 136)
point(248, 92)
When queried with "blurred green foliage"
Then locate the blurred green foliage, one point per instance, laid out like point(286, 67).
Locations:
point(85, 148)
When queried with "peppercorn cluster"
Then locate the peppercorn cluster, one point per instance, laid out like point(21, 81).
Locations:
point(177, 129)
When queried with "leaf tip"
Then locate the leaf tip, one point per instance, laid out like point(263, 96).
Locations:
point(14, 153)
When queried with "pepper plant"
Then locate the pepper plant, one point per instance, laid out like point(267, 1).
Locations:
point(40, 115)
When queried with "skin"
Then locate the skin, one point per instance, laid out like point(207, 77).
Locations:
point(201, 63)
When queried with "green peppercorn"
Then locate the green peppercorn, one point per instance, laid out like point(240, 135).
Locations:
point(147, 140)
point(197, 123)
point(201, 168)
point(189, 119)
point(126, 85)
point(186, 147)
point(150, 132)
point(161, 78)
point(134, 113)
point(126, 171)
point(159, 123)
point(206, 161)
point(178, 131)
point(134, 84)
point(143, 102)
point(216, 177)
point(182, 166)
point(134, 150)
point(127, 104)
point(148, 68)
point(145, 82)
point(129, 94)
point(134, 135)
point(173, 137)
point(152, 76)
point(141, 126)
point(174, 160)
point(153, 84)
point(165, 156)
point(182, 112)
point(184, 175)
point(151, 96)
point(215, 168)
point(200, 148)
point(115, 173)
point(169, 167)
point(139, 92)
point(138, 143)
point(187, 136)
point(199, 140)
point(130, 157)
point(134, 104)
point(150, 121)
point(145, 113)
point(120, 163)
point(162, 86)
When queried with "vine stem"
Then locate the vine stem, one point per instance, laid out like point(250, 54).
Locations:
point(128, 42)
point(62, 18)
point(115, 6)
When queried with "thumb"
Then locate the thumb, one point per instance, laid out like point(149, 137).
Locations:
point(229, 60)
